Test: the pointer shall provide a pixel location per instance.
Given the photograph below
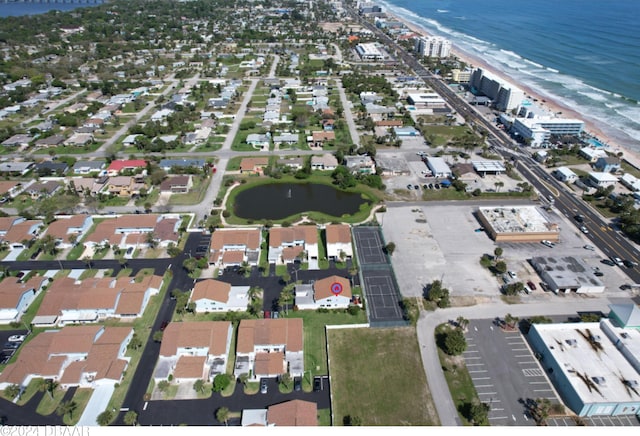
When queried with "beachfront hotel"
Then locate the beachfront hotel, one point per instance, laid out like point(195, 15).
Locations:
point(538, 130)
point(505, 96)
point(433, 46)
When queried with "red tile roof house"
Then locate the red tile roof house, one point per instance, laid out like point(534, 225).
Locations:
point(338, 238)
point(6, 222)
point(321, 294)
point(15, 297)
point(118, 166)
point(194, 350)
point(253, 165)
point(124, 231)
point(231, 247)
point(70, 302)
point(63, 227)
point(212, 295)
point(83, 356)
point(24, 231)
point(269, 347)
point(177, 184)
point(286, 414)
point(288, 244)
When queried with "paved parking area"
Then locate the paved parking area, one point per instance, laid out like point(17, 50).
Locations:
point(505, 373)
point(595, 421)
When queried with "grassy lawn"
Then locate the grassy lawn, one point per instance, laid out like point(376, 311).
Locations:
point(32, 388)
point(194, 196)
point(377, 375)
point(324, 417)
point(48, 404)
point(458, 378)
point(81, 397)
point(315, 350)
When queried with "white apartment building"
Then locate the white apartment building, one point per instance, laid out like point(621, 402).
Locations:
point(505, 95)
point(433, 46)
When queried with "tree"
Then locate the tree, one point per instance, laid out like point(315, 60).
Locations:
point(131, 418)
point(135, 342)
point(511, 320)
point(222, 415)
point(244, 378)
point(150, 239)
point(244, 268)
point(479, 413)
point(220, 382)
point(198, 386)
point(390, 248)
point(66, 408)
point(462, 323)
point(157, 336)
point(454, 342)
point(190, 264)
point(12, 391)
point(105, 418)
point(163, 386)
point(498, 252)
point(49, 385)
point(286, 297)
point(498, 185)
point(501, 267)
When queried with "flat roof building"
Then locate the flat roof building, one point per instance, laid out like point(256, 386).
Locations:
point(517, 224)
point(369, 51)
point(505, 95)
point(593, 366)
point(567, 274)
point(439, 167)
point(539, 129)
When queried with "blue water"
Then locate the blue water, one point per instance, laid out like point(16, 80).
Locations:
point(20, 9)
point(584, 54)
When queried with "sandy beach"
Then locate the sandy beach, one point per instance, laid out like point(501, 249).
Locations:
point(548, 104)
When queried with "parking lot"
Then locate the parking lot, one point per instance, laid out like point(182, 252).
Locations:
point(505, 373)
point(435, 241)
point(11, 343)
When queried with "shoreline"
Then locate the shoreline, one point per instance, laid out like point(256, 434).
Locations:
point(546, 103)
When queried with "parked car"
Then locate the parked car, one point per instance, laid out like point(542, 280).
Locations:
point(531, 285)
point(629, 263)
point(589, 247)
point(409, 187)
point(11, 345)
point(317, 384)
point(598, 273)
point(548, 243)
point(164, 325)
point(17, 338)
point(608, 262)
point(297, 384)
point(263, 386)
point(416, 187)
point(616, 260)
point(513, 275)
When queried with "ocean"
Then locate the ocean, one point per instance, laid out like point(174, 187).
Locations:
point(17, 9)
point(584, 54)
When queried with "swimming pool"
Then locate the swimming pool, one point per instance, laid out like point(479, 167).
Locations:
point(596, 143)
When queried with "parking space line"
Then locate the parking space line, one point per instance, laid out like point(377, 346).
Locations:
point(519, 349)
point(496, 410)
point(486, 393)
point(538, 383)
point(480, 370)
point(522, 355)
point(472, 358)
point(498, 417)
point(529, 362)
point(471, 351)
point(481, 378)
point(475, 364)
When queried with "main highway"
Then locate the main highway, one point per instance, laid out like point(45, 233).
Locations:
point(603, 234)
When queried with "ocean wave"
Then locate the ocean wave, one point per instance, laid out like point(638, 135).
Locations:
point(442, 11)
point(553, 70)
point(535, 64)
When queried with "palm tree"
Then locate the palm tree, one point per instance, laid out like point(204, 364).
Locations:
point(49, 386)
point(150, 239)
point(67, 408)
point(244, 378)
point(198, 386)
point(12, 391)
point(498, 185)
point(244, 268)
point(222, 415)
point(286, 297)
point(105, 418)
point(462, 322)
point(131, 418)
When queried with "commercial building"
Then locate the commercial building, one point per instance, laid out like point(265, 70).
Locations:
point(461, 76)
point(567, 274)
point(369, 52)
point(593, 366)
point(439, 167)
point(538, 130)
point(517, 224)
point(505, 96)
point(426, 100)
point(433, 47)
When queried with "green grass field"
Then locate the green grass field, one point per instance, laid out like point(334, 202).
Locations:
point(377, 376)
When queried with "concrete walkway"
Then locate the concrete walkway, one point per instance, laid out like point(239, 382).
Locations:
point(97, 403)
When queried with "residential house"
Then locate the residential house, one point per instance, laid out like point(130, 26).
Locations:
point(630, 182)
point(50, 168)
point(82, 356)
point(22, 233)
point(212, 295)
point(16, 168)
point(193, 351)
point(564, 174)
point(11, 188)
point(602, 180)
point(179, 165)
point(177, 184)
point(291, 244)
point(130, 140)
point(68, 301)
point(79, 139)
point(63, 228)
point(362, 164)
point(338, 238)
point(259, 141)
point(318, 139)
point(118, 166)
point(269, 348)
point(253, 165)
point(332, 292)
point(88, 186)
point(6, 222)
point(42, 189)
point(161, 115)
point(16, 296)
point(231, 247)
point(293, 413)
point(326, 162)
point(296, 163)
point(19, 140)
point(88, 166)
point(166, 231)
point(592, 154)
point(607, 164)
point(50, 141)
point(125, 186)
point(126, 231)
point(285, 139)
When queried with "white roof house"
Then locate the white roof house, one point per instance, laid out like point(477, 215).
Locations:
point(564, 174)
point(602, 180)
point(630, 182)
point(439, 167)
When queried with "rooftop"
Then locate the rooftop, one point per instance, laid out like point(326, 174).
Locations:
point(517, 219)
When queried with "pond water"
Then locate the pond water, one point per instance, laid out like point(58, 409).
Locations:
point(281, 200)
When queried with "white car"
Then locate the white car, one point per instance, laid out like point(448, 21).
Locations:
point(584, 230)
point(513, 275)
point(589, 247)
point(17, 338)
point(548, 243)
